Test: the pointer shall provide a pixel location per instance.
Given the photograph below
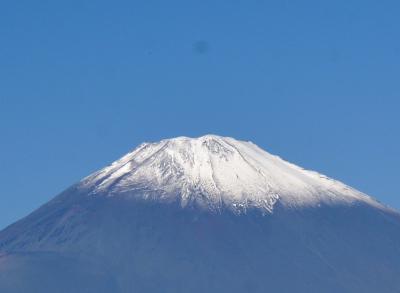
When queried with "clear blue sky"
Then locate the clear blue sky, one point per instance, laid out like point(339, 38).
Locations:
point(83, 82)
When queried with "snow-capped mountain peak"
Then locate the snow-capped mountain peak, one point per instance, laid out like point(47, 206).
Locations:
point(214, 172)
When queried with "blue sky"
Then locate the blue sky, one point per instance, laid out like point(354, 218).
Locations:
point(83, 82)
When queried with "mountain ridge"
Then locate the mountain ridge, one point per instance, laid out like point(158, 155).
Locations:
point(219, 171)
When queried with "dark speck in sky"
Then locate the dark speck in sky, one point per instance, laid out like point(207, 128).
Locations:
point(201, 47)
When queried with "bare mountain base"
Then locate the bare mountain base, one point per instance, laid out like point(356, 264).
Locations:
point(125, 245)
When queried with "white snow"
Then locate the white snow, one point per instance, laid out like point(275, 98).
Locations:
point(215, 172)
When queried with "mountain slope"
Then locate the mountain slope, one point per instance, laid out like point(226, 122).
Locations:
point(210, 214)
point(214, 172)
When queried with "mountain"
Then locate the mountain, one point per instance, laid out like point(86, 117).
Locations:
point(208, 214)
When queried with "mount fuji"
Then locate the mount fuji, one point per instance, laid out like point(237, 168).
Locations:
point(208, 214)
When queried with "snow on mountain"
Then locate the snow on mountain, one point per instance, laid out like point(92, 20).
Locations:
point(209, 214)
point(214, 172)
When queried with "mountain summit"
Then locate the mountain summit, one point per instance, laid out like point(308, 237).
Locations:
point(214, 172)
point(208, 214)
